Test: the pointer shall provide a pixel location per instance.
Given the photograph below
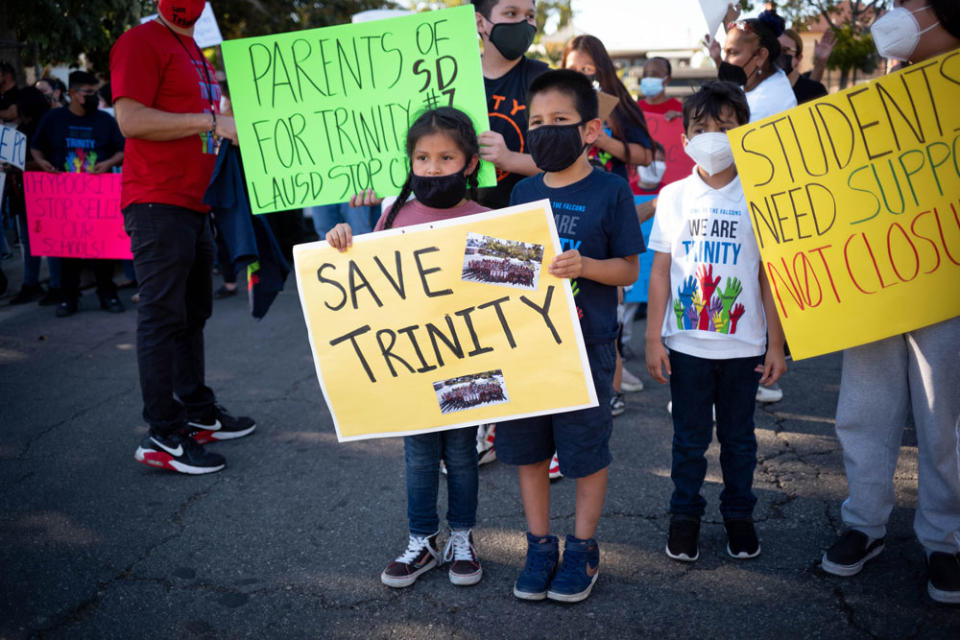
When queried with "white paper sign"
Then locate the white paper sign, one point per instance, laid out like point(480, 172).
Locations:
point(206, 32)
point(713, 11)
point(13, 146)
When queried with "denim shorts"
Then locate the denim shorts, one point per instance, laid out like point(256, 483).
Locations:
point(580, 438)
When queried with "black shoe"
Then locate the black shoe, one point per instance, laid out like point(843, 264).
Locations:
point(178, 452)
point(113, 305)
point(944, 583)
point(849, 553)
point(421, 556)
point(742, 540)
point(51, 297)
point(66, 308)
point(683, 542)
point(28, 293)
point(217, 424)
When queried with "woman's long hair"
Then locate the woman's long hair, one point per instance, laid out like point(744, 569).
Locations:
point(627, 112)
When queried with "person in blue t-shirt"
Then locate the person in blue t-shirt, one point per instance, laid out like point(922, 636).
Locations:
point(601, 237)
point(80, 138)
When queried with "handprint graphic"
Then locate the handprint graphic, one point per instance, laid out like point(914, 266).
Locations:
point(707, 286)
point(735, 313)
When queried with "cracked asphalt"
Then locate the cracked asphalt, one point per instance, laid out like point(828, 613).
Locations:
point(289, 540)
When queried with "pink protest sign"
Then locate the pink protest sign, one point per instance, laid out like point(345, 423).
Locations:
point(75, 215)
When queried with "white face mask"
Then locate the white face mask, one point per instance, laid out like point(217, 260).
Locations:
point(711, 151)
point(897, 33)
point(651, 174)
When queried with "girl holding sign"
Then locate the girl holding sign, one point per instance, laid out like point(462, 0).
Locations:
point(444, 159)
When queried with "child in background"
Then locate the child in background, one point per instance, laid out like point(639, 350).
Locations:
point(444, 157)
point(714, 310)
point(601, 238)
point(623, 143)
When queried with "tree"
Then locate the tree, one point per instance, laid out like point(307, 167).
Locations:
point(850, 20)
point(55, 31)
point(58, 31)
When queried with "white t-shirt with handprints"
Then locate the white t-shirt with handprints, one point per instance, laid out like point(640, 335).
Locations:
point(715, 310)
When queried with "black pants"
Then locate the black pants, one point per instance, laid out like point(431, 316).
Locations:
point(70, 270)
point(173, 258)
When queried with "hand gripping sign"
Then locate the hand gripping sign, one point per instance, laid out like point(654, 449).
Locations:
point(445, 325)
point(855, 204)
point(323, 114)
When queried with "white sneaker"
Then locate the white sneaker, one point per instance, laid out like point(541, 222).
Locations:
point(465, 569)
point(772, 393)
point(630, 382)
point(486, 434)
point(555, 467)
point(421, 556)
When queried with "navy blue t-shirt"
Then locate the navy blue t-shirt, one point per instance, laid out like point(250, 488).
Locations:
point(73, 143)
point(596, 216)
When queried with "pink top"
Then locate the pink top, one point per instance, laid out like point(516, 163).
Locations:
point(415, 212)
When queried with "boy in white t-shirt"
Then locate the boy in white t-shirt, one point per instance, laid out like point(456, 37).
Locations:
point(711, 303)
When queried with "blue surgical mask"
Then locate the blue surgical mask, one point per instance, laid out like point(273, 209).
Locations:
point(651, 86)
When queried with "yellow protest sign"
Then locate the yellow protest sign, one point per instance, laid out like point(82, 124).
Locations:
point(855, 204)
point(438, 326)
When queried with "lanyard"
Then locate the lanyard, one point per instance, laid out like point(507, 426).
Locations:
point(203, 64)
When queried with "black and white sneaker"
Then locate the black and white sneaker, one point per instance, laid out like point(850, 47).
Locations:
point(178, 452)
point(742, 542)
point(421, 556)
point(217, 424)
point(944, 583)
point(683, 541)
point(849, 553)
point(465, 569)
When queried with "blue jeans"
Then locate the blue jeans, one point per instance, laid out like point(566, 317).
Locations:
point(458, 449)
point(696, 384)
point(326, 217)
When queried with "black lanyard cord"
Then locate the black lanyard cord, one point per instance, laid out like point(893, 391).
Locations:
point(203, 65)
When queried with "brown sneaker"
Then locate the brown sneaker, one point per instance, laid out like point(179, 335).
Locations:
point(466, 569)
point(421, 556)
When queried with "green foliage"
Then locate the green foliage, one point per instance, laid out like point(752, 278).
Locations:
point(853, 51)
point(60, 30)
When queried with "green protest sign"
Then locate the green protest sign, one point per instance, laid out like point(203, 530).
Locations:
point(323, 113)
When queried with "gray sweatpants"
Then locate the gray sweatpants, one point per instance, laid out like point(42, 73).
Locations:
point(880, 383)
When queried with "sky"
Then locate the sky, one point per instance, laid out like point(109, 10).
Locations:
point(647, 24)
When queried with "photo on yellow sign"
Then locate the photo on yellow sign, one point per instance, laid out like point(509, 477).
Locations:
point(444, 325)
point(855, 203)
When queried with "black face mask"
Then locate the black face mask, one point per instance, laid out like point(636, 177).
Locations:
point(732, 73)
point(512, 39)
point(91, 104)
point(439, 192)
point(555, 147)
point(785, 62)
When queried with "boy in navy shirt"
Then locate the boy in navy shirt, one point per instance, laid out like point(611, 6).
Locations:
point(601, 238)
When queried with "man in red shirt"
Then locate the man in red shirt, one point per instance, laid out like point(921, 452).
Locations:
point(167, 104)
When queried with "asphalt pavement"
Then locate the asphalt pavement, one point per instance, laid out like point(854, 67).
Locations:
point(289, 540)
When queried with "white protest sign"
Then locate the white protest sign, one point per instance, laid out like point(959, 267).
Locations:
point(206, 32)
point(713, 11)
point(13, 146)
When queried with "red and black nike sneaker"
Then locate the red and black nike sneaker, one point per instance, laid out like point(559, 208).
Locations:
point(215, 423)
point(178, 452)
